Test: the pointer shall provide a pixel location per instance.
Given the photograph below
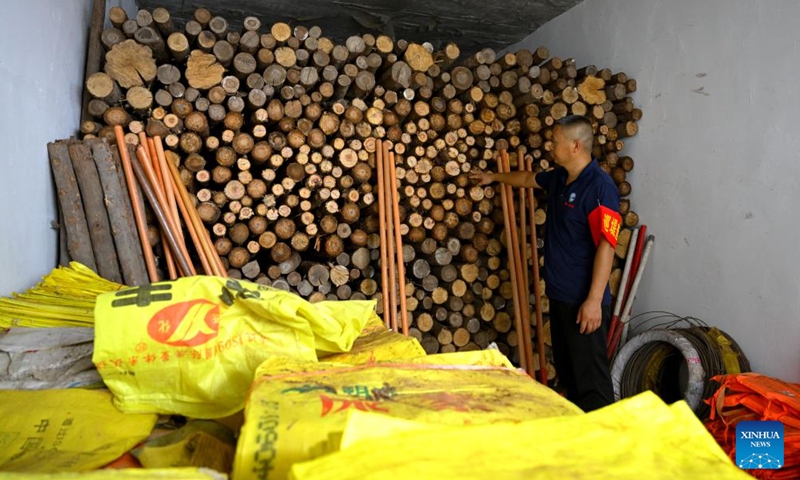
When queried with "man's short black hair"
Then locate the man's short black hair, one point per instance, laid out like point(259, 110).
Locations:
point(571, 120)
point(577, 127)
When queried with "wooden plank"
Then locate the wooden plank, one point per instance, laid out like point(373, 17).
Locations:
point(105, 253)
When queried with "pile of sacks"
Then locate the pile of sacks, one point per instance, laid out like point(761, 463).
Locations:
point(752, 396)
point(209, 377)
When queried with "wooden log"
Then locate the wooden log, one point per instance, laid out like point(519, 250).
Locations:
point(418, 57)
point(178, 46)
point(591, 90)
point(149, 37)
point(163, 21)
point(117, 16)
point(75, 224)
point(94, 54)
point(130, 64)
point(398, 76)
point(139, 99)
point(203, 71)
point(461, 337)
point(101, 86)
point(120, 214)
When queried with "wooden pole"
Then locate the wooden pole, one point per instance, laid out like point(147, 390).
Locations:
point(389, 243)
point(401, 267)
point(385, 283)
point(74, 221)
point(193, 218)
point(103, 248)
point(178, 202)
point(160, 163)
point(506, 199)
point(523, 264)
point(120, 213)
point(94, 53)
point(525, 343)
point(141, 224)
point(149, 183)
point(151, 150)
point(537, 293)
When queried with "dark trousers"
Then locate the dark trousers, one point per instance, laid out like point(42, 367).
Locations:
point(581, 362)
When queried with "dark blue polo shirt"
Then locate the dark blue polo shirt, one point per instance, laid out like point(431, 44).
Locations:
point(569, 248)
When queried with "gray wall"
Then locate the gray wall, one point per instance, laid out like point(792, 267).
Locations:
point(717, 175)
point(42, 58)
point(42, 51)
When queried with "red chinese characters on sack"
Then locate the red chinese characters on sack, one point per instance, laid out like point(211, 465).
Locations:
point(185, 324)
point(335, 405)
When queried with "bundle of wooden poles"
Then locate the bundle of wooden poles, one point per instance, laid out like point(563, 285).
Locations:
point(160, 181)
point(391, 241)
point(102, 191)
point(339, 170)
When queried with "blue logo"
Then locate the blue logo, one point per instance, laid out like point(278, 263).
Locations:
point(759, 444)
point(572, 197)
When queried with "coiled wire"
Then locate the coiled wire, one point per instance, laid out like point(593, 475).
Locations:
point(660, 361)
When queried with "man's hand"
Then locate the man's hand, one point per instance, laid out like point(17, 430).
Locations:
point(481, 178)
point(589, 316)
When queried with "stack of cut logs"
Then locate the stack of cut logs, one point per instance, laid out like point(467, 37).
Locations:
point(276, 128)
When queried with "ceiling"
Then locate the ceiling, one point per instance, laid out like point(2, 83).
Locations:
point(471, 24)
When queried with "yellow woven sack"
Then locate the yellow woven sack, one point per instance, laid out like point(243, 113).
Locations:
point(127, 473)
point(294, 406)
point(65, 430)
point(191, 346)
point(376, 344)
point(639, 437)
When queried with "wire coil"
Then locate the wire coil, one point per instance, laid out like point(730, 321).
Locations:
point(676, 363)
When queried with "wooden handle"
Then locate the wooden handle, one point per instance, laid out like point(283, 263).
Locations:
point(537, 293)
point(149, 164)
point(146, 177)
point(525, 345)
point(171, 268)
point(506, 199)
point(193, 218)
point(385, 283)
point(202, 250)
point(390, 235)
point(141, 224)
point(401, 266)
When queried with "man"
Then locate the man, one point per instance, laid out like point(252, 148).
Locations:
point(580, 239)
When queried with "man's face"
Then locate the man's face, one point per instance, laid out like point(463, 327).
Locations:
point(561, 146)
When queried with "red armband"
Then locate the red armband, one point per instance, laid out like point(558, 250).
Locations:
point(604, 223)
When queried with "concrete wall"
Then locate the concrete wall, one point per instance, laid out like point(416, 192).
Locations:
point(717, 176)
point(41, 98)
point(42, 52)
